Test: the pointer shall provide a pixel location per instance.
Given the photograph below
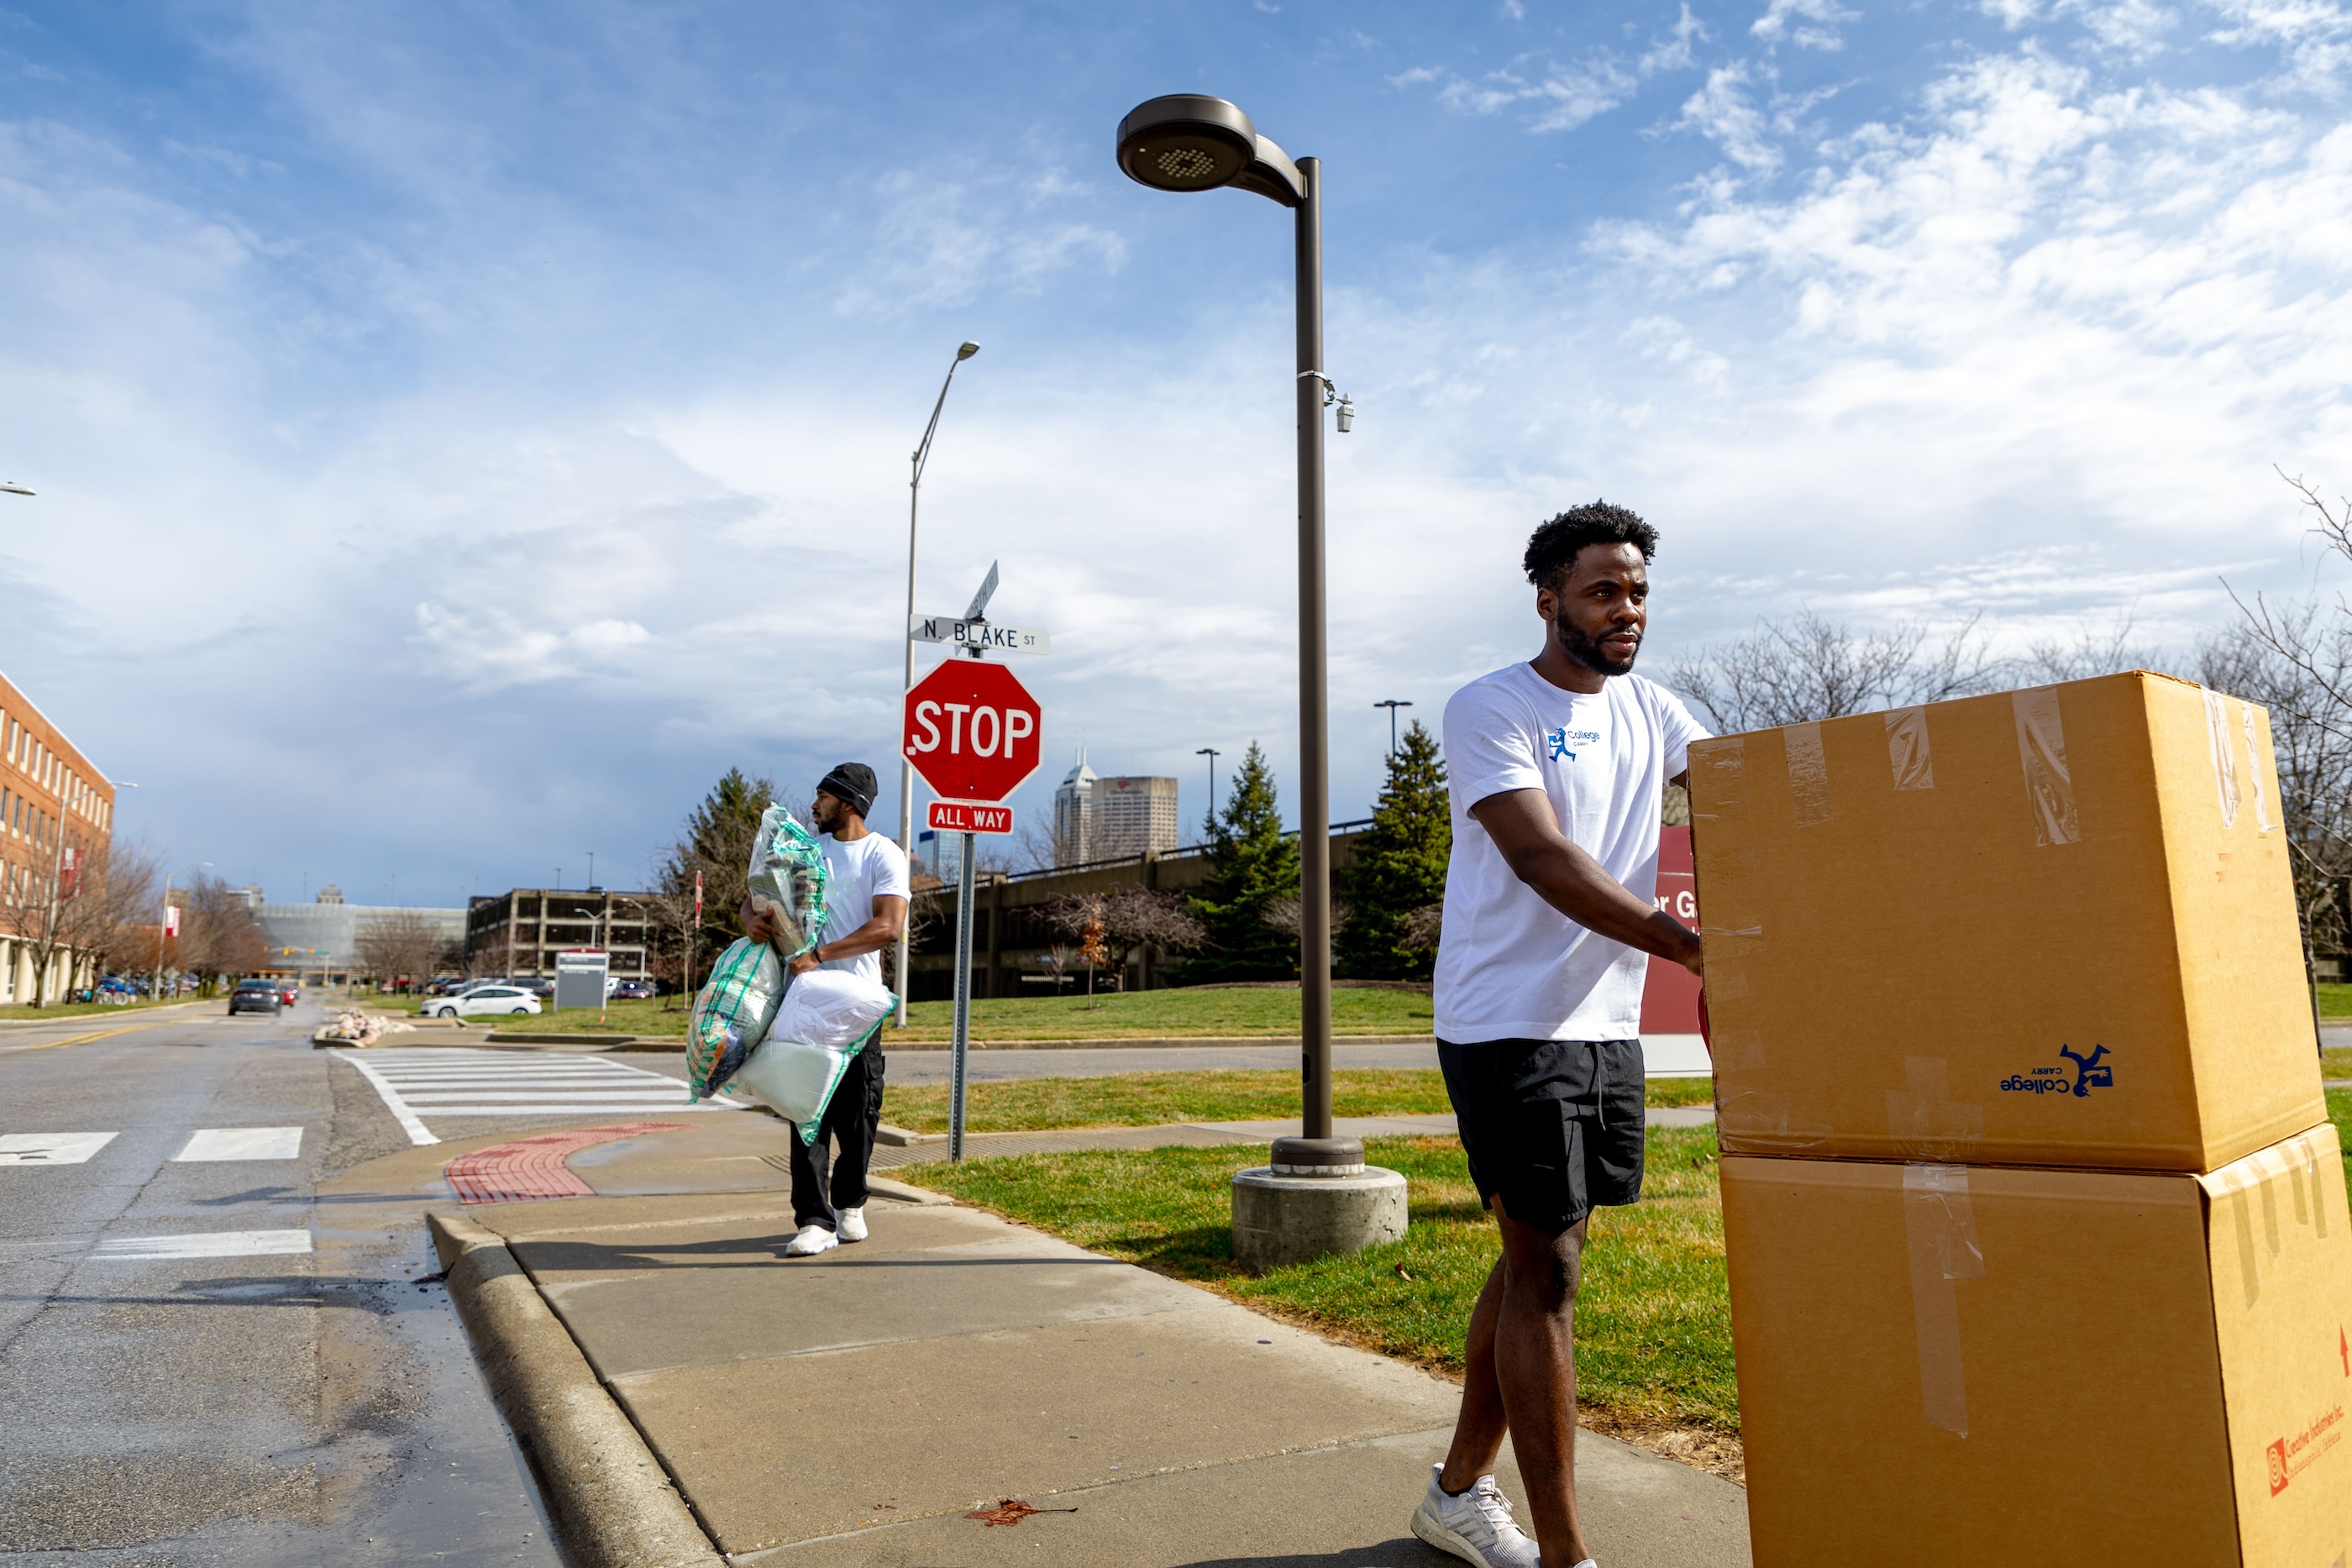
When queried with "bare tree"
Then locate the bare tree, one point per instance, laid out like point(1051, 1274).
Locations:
point(2089, 654)
point(1128, 921)
point(111, 919)
point(1807, 667)
point(397, 945)
point(1282, 914)
point(218, 935)
point(64, 908)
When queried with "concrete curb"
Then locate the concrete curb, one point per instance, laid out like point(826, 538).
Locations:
point(612, 1502)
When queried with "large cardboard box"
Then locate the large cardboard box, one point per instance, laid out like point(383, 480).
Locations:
point(1946, 1365)
point(2054, 927)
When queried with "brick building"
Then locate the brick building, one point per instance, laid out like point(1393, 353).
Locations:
point(56, 808)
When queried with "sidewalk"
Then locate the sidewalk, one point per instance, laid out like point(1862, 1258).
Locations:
point(854, 1407)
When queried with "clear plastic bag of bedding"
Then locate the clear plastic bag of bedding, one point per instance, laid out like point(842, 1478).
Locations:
point(788, 881)
point(733, 1013)
point(827, 1018)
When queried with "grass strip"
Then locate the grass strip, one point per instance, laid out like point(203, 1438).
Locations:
point(1654, 1318)
point(20, 1012)
point(1154, 1099)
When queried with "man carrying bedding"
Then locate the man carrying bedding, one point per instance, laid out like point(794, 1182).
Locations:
point(864, 909)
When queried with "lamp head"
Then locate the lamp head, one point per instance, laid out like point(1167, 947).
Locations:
point(1189, 142)
point(966, 351)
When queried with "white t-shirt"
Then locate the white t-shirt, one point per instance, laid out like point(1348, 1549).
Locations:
point(1509, 966)
point(856, 873)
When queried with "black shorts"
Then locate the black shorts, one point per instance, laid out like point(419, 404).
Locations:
point(1554, 1127)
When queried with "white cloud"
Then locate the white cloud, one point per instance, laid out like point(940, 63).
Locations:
point(1808, 23)
point(1721, 111)
point(1562, 95)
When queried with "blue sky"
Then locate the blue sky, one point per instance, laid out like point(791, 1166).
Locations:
point(462, 430)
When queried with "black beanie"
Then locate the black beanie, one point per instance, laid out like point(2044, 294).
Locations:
point(853, 785)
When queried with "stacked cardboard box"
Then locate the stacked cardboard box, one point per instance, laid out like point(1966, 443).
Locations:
point(2038, 1237)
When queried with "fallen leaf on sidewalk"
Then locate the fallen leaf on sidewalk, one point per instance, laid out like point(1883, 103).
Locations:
point(1011, 1510)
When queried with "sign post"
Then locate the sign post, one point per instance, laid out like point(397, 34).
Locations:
point(971, 732)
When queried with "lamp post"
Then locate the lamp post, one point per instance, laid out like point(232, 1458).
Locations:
point(1211, 753)
point(907, 630)
point(1391, 704)
point(163, 925)
point(1188, 141)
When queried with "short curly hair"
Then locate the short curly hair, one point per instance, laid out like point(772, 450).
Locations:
point(1552, 548)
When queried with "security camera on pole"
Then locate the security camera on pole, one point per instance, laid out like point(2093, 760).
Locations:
point(973, 732)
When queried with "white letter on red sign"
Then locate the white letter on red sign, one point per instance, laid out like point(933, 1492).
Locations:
point(926, 715)
point(995, 732)
point(1017, 727)
point(955, 726)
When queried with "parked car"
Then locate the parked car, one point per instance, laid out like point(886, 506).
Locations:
point(255, 996)
point(634, 991)
point(481, 999)
point(540, 987)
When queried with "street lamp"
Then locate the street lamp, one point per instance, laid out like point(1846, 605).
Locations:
point(907, 769)
point(1391, 704)
point(163, 926)
point(1211, 753)
point(1188, 141)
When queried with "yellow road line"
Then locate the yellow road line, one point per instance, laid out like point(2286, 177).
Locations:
point(94, 1034)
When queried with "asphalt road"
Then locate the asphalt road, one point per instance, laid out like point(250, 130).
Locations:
point(204, 1363)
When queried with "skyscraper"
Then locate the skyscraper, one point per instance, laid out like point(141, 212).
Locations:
point(1074, 814)
point(1132, 816)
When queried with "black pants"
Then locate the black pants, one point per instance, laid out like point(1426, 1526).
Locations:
point(821, 1185)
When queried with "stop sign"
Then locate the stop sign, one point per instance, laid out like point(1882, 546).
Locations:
point(972, 730)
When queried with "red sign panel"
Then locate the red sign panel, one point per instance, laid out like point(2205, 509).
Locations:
point(964, 817)
point(1669, 995)
point(972, 730)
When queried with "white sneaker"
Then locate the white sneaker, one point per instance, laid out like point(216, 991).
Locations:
point(852, 1223)
point(1475, 1527)
point(812, 1240)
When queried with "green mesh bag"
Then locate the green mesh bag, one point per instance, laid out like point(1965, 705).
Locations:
point(731, 1014)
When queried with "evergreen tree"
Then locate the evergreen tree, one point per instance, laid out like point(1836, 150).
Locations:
point(1399, 865)
point(716, 842)
point(1252, 863)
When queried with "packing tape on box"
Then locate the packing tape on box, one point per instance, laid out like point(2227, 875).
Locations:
point(2223, 747)
point(1726, 950)
point(2255, 1181)
point(1923, 1120)
point(2262, 822)
point(1907, 748)
point(1809, 772)
point(2041, 747)
point(1940, 1225)
point(1719, 769)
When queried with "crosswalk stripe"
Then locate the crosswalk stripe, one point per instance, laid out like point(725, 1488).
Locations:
point(458, 1082)
point(51, 1148)
point(243, 1143)
point(203, 1244)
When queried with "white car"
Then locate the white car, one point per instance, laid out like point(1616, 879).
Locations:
point(481, 999)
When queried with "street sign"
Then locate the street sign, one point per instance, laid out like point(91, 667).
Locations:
point(970, 633)
point(964, 817)
point(972, 731)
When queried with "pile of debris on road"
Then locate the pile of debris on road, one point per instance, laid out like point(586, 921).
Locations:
point(357, 1028)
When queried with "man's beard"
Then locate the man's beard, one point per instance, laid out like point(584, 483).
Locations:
point(1586, 651)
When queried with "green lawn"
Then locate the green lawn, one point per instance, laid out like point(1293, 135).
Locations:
point(2335, 1064)
point(1654, 1319)
point(1152, 1099)
point(2339, 1110)
point(1204, 1011)
point(2334, 1002)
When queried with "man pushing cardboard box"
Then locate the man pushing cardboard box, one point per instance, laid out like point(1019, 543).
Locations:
point(2038, 1239)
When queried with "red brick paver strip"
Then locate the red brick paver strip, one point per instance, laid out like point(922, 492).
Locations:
point(532, 1168)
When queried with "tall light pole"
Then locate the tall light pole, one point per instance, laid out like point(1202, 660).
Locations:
point(1391, 704)
point(1188, 141)
point(1211, 753)
point(906, 768)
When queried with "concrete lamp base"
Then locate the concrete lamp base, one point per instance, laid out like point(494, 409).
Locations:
point(1317, 1199)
